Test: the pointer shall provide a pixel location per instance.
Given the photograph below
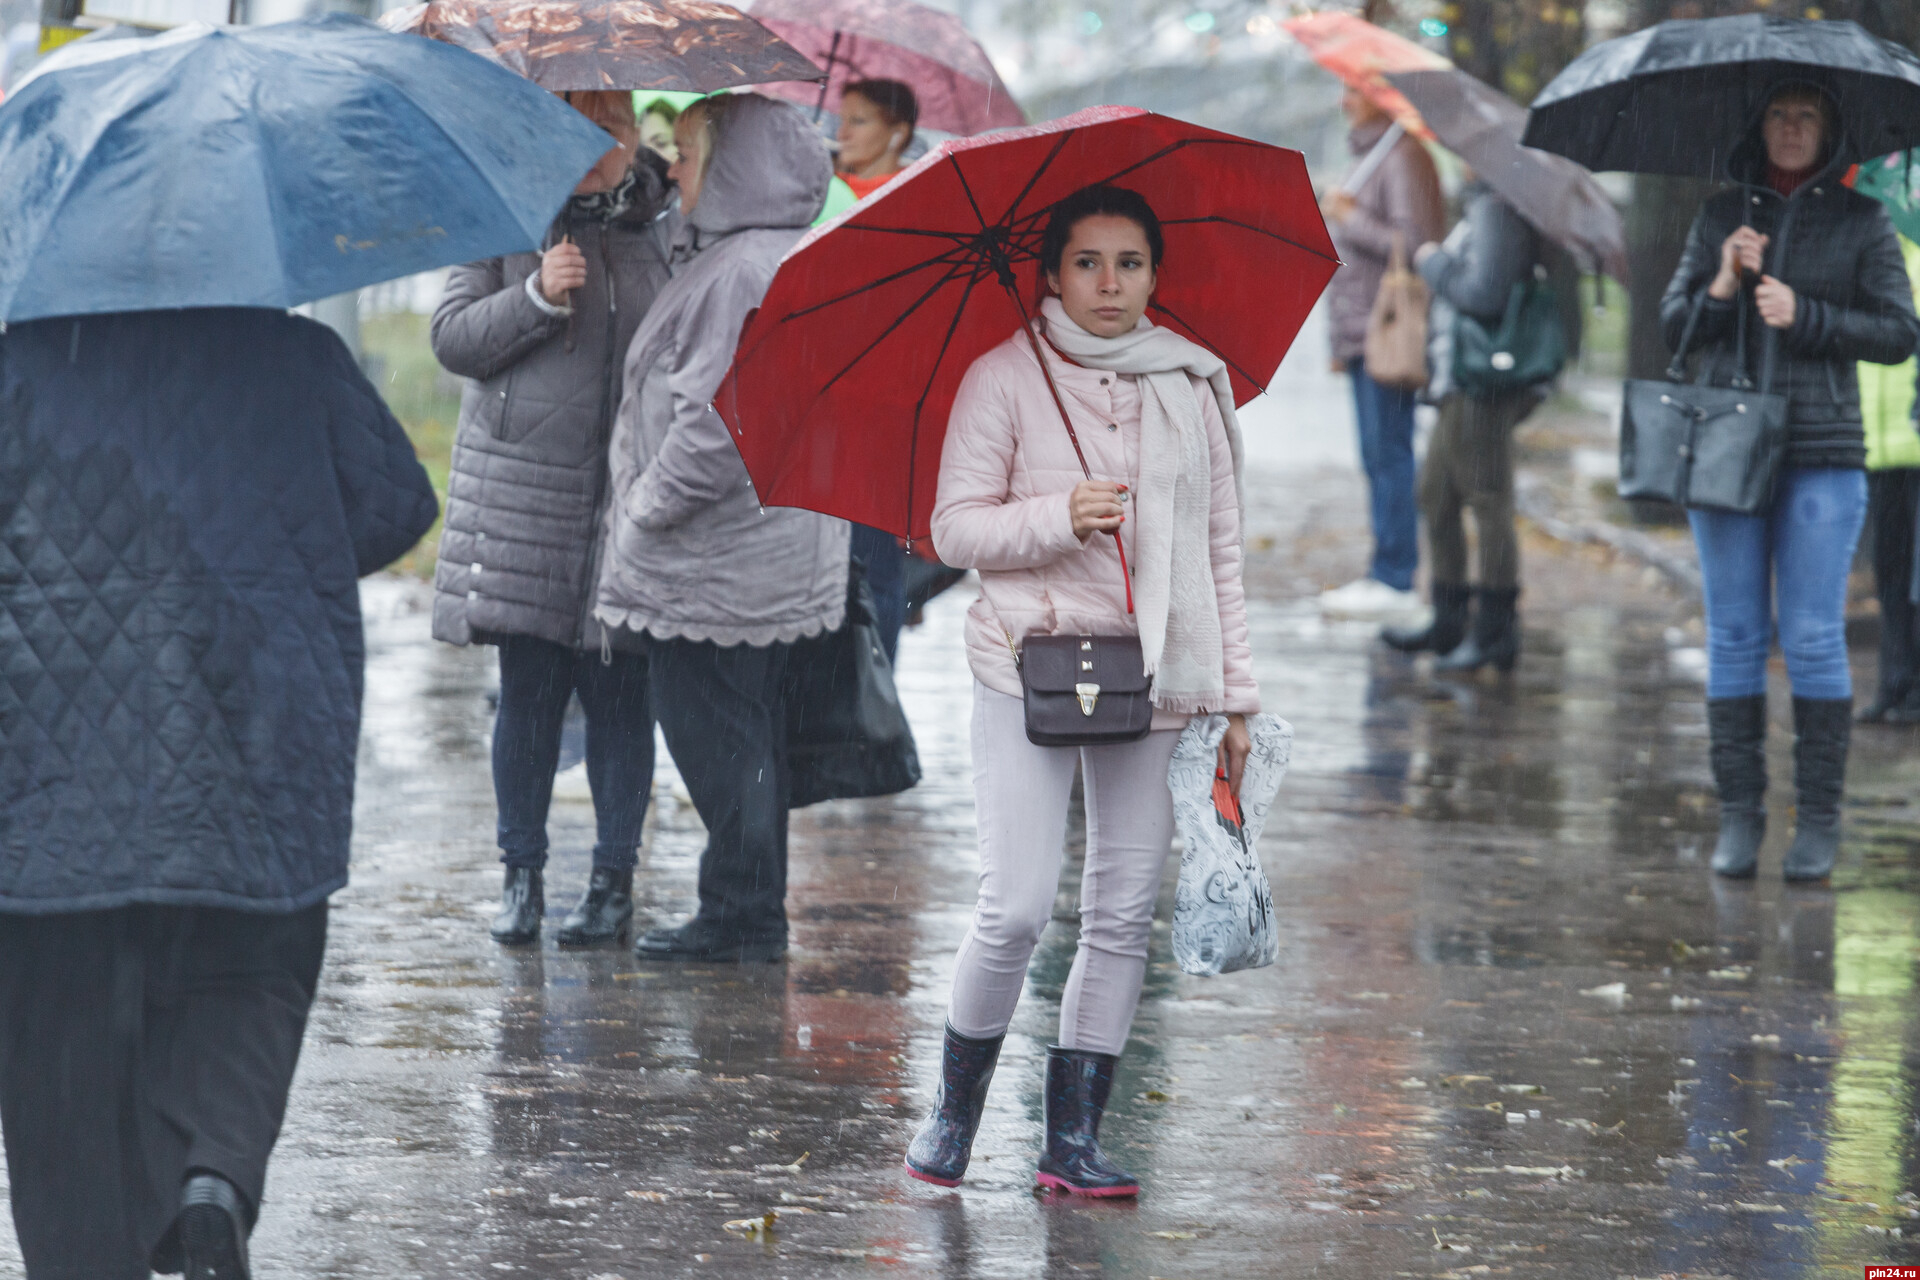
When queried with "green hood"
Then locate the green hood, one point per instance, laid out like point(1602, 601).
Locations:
point(1887, 394)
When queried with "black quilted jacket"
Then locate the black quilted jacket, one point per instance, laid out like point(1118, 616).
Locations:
point(1836, 249)
point(187, 499)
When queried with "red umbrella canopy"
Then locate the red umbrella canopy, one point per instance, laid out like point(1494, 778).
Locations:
point(927, 49)
point(839, 393)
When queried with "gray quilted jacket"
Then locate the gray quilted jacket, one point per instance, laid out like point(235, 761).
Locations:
point(690, 554)
point(187, 499)
point(529, 475)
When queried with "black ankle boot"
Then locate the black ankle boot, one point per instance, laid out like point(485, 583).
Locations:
point(212, 1229)
point(1495, 638)
point(1451, 609)
point(604, 913)
point(940, 1151)
point(1823, 730)
point(1737, 729)
point(1077, 1088)
point(523, 901)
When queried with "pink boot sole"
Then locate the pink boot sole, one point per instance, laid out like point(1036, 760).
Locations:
point(1053, 1182)
point(927, 1177)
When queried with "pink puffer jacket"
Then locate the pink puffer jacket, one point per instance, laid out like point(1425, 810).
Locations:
point(1006, 473)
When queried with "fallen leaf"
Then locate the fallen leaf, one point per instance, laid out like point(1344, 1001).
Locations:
point(656, 1197)
point(1733, 972)
point(1745, 1207)
point(1175, 1235)
point(1155, 1095)
point(1462, 1081)
point(1413, 1082)
point(753, 1228)
point(1607, 991)
point(1785, 1163)
point(1685, 1002)
point(1522, 1088)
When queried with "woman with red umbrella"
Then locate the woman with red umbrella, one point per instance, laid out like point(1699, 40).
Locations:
point(1144, 471)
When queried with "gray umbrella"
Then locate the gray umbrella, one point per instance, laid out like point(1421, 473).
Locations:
point(1483, 126)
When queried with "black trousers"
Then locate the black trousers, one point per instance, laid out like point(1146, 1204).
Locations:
point(136, 1045)
point(725, 721)
point(1893, 523)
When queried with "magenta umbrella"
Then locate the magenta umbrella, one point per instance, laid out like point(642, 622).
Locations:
point(958, 89)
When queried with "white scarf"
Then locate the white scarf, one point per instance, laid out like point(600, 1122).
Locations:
point(1174, 594)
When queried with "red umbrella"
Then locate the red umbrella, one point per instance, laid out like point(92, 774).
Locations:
point(839, 393)
point(929, 50)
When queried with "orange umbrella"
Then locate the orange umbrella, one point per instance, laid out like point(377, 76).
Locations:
point(1364, 55)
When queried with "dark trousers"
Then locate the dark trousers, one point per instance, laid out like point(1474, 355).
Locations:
point(137, 1045)
point(537, 678)
point(886, 564)
point(1469, 465)
point(726, 725)
point(1893, 524)
point(1385, 416)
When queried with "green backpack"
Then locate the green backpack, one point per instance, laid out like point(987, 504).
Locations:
point(1529, 346)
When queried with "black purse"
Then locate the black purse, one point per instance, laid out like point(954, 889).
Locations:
point(847, 735)
point(1084, 691)
point(1709, 448)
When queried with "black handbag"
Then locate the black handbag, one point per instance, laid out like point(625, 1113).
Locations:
point(847, 735)
point(1709, 448)
point(1084, 691)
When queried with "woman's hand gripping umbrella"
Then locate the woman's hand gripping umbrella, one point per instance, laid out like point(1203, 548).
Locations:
point(839, 394)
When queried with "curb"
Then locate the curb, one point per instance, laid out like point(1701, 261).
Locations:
point(1532, 500)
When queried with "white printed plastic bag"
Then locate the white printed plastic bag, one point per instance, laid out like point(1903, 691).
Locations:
point(1223, 909)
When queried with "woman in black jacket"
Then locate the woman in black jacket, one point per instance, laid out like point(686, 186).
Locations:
point(1819, 267)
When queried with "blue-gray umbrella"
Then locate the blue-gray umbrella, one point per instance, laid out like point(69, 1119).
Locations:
point(269, 166)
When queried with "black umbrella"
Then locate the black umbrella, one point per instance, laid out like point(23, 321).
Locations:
point(1482, 126)
point(1677, 97)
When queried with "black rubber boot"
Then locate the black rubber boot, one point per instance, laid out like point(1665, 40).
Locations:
point(1451, 608)
point(523, 901)
point(1495, 638)
point(1823, 729)
point(1077, 1088)
point(699, 940)
point(1737, 729)
point(604, 913)
point(940, 1151)
point(212, 1229)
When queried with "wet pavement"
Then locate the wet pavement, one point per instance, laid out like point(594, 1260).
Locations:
point(1516, 1027)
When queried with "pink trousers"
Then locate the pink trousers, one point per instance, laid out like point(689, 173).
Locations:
point(1021, 793)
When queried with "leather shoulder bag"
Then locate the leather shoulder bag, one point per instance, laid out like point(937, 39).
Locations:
point(1083, 690)
point(1705, 447)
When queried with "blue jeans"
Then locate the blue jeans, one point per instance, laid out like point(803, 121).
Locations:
point(1798, 554)
point(1385, 415)
point(886, 566)
point(537, 678)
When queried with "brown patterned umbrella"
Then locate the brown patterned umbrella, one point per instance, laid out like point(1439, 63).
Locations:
point(562, 45)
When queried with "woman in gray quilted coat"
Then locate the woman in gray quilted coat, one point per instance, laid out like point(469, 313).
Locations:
point(539, 338)
point(719, 587)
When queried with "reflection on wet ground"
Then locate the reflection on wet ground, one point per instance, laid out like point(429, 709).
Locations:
point(1516, 1029)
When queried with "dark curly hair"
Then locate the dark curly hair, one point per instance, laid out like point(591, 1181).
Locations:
point(1093, 202)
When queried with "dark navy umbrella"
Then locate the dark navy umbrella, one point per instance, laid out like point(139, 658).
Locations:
point(1676, 98)
point(269, 166)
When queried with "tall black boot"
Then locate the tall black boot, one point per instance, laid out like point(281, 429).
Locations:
point(1495, 638)
point(1451, 609)
point(1077, 1088)
point(523, 901)
point(1737, 729)
point(603, 914)
point(940, 1151)
point(1823, 730)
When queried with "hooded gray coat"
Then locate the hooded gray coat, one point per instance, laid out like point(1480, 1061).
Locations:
point(529, 475)
point(689, 552)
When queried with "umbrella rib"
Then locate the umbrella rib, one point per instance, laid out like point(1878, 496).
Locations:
point(906, 314)
point(1181, 320)
point(946, 258)
point(1248, 226)
point(913, 438)
point(1040, 169)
